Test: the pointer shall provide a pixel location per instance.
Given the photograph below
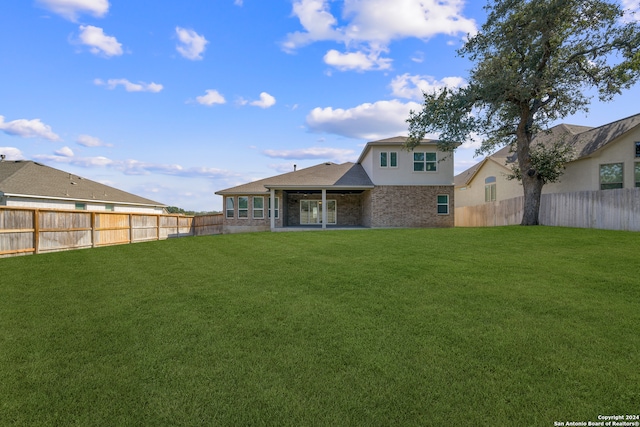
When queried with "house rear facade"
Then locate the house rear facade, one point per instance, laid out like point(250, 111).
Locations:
point(387, 187)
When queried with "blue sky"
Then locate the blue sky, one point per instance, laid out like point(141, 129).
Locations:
point(176, 100)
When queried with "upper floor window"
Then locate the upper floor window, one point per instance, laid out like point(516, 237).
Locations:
point(611, 176)
point(230, 208)
point(243, 207)
point(490, 189)
point(258, 207)
point(424, 162)
point(637, 174)
point(638, 149)
point(389, 159)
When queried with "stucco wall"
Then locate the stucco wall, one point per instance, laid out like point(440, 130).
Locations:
point(403, 174)
point(473, 193)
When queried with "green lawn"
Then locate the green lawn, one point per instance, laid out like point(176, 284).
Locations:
point(512, 326)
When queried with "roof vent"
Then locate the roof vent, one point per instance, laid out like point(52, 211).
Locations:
point(295, 167)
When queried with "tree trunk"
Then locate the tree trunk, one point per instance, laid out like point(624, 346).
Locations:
point(532, 191)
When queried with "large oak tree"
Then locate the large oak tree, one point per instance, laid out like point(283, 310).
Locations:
point(535, 62)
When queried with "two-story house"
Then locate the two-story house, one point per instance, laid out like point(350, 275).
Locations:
point(387, 187)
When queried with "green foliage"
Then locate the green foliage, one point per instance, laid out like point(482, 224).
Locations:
point(533, 59)
point(325, 328)
point(548, 161)
point(177, 210)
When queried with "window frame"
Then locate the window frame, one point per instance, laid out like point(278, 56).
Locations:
point(637, 149)
point(490, 189)
point(277, 208)
point(636, 173)
point(425, 162)
point(611, 185)
point(388, 159)
point(257, 209)
point(440, 204)
point(243, 213)
point(233, 207)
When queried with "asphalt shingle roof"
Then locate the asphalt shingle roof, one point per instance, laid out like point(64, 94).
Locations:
point(585, 141)
point(34, 179)
point(327, 175)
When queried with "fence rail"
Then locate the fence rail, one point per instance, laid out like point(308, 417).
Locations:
point(606, 209)
point(26, 231)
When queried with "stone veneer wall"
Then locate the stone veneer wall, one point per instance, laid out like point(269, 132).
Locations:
point(407, 206)
point(349, 208)
point(243, 225)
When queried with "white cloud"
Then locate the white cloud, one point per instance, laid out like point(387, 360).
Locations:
point(370, 26)
point(134, 167)
point(632, 10)
point(99, 42)
point(91, 141)
point(338, 155)
point(70, 9)
point(191, 43)
point(28, 129)
point(212, 97)
point(358, 61)
point(129, 86)
point(366, 121)
point(265, 101)
point(11, 153)
point(412, 87)
point(64, 152)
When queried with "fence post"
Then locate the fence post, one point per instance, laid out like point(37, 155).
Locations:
point(36, 230)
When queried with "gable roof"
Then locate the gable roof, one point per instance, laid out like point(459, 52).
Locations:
point(585, 141)
point(328, 175)
point(31, 179)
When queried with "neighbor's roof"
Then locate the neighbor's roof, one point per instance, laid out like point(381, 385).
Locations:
point(343, 176)
point(31, 179)
point(585, 141)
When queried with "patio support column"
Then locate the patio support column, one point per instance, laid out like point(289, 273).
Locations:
point(272, 208)
point(324, 208)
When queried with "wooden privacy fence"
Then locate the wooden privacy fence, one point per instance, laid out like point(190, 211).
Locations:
point(32, 231)
point(606, 209)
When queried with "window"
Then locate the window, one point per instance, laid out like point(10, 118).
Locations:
point(276, 208)
point(638, 149)
point(81, 206)
point(424, 162)
point(243, 207)
point(611, 176)
point(108, 208)
point(637, 173)
point(230, 208)
point(443, 204)
point(490, 189)
point(258, 207)
point(389, 159)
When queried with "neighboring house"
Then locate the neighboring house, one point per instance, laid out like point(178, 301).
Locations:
point(605, 157)
point(30, 184)
point(387, 187)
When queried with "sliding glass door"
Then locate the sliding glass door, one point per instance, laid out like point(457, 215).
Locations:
point(311, 212)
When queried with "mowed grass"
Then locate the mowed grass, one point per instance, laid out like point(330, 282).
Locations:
point(494, 326)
